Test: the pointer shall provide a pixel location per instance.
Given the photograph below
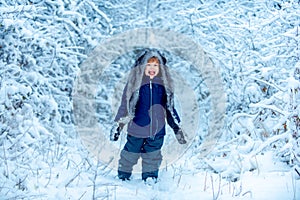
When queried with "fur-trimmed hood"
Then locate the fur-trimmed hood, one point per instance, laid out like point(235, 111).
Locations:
point(136, 76)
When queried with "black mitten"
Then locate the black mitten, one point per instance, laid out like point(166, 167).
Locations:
point(179, 136)
point(116, 131)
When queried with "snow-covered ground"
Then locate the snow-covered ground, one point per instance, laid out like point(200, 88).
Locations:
point(272, 180)
point(254, 47)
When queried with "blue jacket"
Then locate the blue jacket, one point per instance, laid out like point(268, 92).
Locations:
point(150, 110)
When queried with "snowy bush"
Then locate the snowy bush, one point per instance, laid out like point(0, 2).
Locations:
point(261, 72)
point(41, 45)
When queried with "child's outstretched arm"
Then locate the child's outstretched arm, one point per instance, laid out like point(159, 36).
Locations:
point(121, 114)
point(173, 121)
point(122, 111)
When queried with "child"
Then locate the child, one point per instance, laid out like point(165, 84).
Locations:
point(147, 100)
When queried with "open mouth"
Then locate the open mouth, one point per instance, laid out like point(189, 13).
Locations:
point(152, 72)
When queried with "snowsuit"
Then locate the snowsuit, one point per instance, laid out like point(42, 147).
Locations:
point(148, 103)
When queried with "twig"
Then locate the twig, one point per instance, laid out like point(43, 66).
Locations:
point(72, 179)
point(212, 185)
point(216, 196)
point(82, 195)
point(248, 192)
point(205, 181)
point(270, 107)
point(268, 142)
point(297, 171)
point(219, 189)
point(174, 173)
point(94, 180)
point(258, 170)
point(49, 176)
point(101, 13)
point(294, 185)
point(240, 190)
point(270, 84)
point(179, 179)
point(18, 9)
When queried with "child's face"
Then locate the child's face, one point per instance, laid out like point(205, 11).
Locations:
point(152, 69)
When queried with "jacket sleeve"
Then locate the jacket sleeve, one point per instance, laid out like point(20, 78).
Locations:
point(173, 119)
point(122, 111)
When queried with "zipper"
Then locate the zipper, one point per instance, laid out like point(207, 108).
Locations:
point(151, 113)
point(156, 129)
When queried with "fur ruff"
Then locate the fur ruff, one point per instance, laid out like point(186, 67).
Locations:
point(135, 81)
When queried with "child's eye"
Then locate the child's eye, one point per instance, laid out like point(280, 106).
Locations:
point(153, 65)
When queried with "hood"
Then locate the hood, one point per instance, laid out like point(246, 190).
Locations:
point(145, 55)
point(137, 73)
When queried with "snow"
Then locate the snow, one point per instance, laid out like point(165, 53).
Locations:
point(254, 46)
point(272, 181)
